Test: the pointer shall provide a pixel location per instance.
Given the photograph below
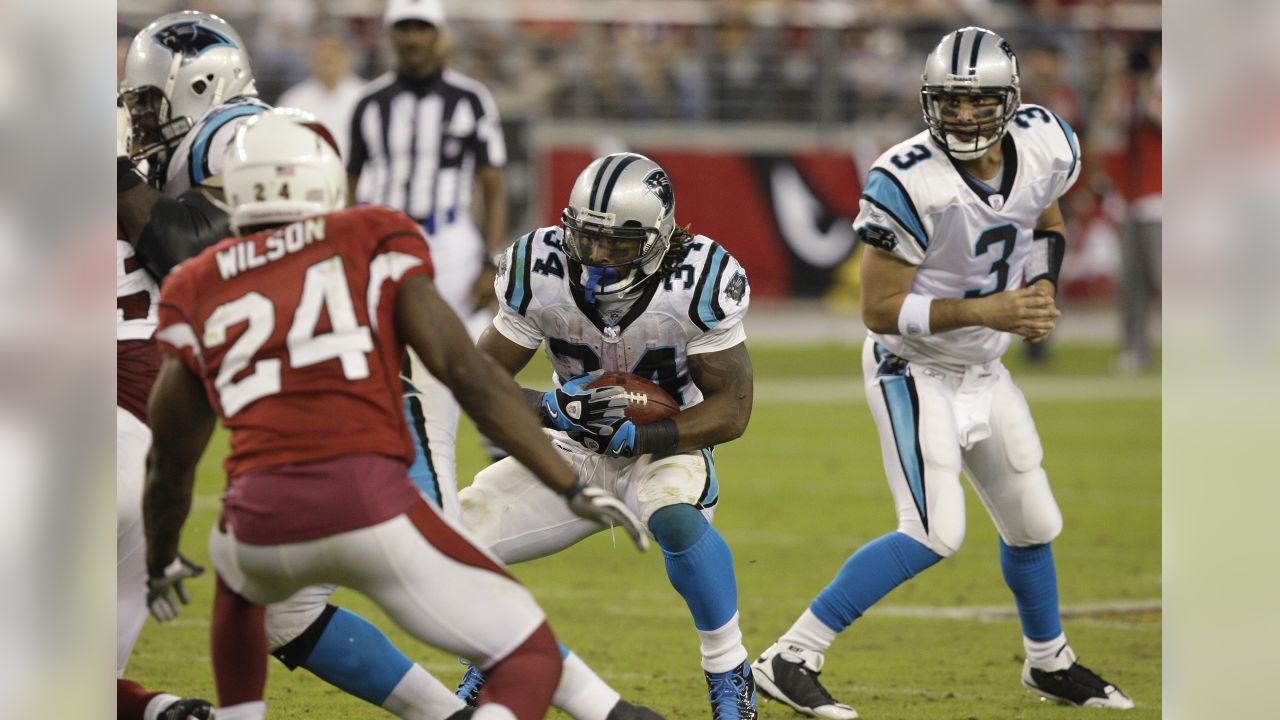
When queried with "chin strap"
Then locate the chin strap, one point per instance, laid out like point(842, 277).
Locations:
point(597, 278)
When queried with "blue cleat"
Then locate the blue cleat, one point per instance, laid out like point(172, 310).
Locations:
point(732, 694)
point(471, 685)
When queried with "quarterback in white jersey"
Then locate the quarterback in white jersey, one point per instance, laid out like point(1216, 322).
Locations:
point(964, 242)
point(620, 288)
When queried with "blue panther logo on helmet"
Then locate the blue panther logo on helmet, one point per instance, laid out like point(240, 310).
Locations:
point(190, 39)
point(659, 184)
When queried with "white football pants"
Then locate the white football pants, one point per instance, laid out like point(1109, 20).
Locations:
point(518, 518)
point(916, 414)
point(133, 441)
point(431, 580)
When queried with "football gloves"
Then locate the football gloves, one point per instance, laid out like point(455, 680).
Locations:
point(602, 506)
point(159, 596)
point(614, 439)
point(575, 408)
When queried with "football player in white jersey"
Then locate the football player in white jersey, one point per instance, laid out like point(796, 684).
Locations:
point(188, 88)
point(964, 242)
point(619, 287)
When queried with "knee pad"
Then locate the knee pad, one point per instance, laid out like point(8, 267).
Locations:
point(945, 534)
point(674, 480)
point(1038, 520)
point(289, 619)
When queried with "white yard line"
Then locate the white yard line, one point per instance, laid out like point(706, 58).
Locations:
point(1090, 388)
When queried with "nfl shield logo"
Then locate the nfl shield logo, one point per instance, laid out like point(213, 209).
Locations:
point(997, 202)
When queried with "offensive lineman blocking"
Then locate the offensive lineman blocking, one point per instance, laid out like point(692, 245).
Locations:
point(964, 242)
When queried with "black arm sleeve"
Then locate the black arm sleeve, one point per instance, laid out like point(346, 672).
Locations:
point(180, 229)
point(1048, 249)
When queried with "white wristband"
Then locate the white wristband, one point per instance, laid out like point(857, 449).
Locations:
point(913, 318)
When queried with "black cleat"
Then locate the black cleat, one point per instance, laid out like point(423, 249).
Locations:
point(789, 674)
point(187, 709)
point(1074, 685)
point(626, 711)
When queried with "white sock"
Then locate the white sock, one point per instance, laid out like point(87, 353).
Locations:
point(582, 693)
point(722, 648)
point(490, 711)
point(158, 704)
point(809, 633)
point(419, 696)
point(243, 711)
point(1049, 655)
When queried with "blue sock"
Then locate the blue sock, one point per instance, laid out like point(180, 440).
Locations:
point(1029, 572)
point(699, 564)
point(355, 657)
point(868, 575)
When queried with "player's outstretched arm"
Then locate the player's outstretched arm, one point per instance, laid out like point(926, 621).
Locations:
point(728, 385)
point(492, 399)
point(889, 307)
point(181, 423)
point(484, 390)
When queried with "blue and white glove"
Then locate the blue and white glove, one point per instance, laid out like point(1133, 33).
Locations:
point(575, 408)
point(616, 439)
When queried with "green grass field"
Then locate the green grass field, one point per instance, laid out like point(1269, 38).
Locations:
point(800, 491)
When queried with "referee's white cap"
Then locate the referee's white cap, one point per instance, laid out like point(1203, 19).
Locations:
point(431, 11)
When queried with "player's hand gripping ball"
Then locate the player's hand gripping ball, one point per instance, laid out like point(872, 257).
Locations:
point(646, 403)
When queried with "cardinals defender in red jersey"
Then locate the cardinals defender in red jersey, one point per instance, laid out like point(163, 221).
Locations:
point(294, 335)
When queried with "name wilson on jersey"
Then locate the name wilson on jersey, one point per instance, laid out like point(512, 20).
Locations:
point(292, 238)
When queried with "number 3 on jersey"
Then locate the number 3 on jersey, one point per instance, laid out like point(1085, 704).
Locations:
point(1007, 236)
point(323, 288)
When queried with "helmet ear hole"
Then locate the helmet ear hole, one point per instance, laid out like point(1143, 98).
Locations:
point(199, 86)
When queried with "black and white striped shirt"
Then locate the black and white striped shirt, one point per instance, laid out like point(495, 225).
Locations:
point(415, 146)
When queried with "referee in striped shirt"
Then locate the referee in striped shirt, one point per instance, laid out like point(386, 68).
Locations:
point(423, 138)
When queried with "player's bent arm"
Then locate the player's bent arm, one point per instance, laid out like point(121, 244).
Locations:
point(889, 307)
point(485, 390)
point(512, 357)
point(727, 384)
point(164, 231)
point(1050, 246)
point(181, 422)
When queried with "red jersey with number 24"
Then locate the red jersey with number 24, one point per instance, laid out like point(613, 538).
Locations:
point(292, 330)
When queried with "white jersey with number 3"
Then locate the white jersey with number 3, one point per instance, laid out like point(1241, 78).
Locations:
point(697, 309)
point(966, 239)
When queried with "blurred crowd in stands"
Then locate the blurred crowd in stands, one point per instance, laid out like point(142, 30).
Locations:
point(824, 64)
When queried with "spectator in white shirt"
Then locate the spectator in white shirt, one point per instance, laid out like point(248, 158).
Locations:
point(332, 90)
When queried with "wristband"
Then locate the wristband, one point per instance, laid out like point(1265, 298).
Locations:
point(1048, 248)
point(127, 177)
point(913, 318)
point(660, 438)
point(573, 490)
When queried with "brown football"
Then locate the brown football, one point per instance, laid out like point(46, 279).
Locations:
point(647, 402)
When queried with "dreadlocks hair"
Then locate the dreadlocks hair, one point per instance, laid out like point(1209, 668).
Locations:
point(681, 239)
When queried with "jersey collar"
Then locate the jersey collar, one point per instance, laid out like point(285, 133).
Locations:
point(636, 310)
point(1009, 155)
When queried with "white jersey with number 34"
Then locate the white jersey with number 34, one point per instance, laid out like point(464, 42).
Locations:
point(697, 309)
point(966, 239)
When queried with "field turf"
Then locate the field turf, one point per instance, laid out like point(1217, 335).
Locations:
point(801, 490)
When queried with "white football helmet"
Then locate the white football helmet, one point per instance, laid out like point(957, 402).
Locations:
point(618, 224)
point(283, 166)
point(178, 67)
point(977, 63)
